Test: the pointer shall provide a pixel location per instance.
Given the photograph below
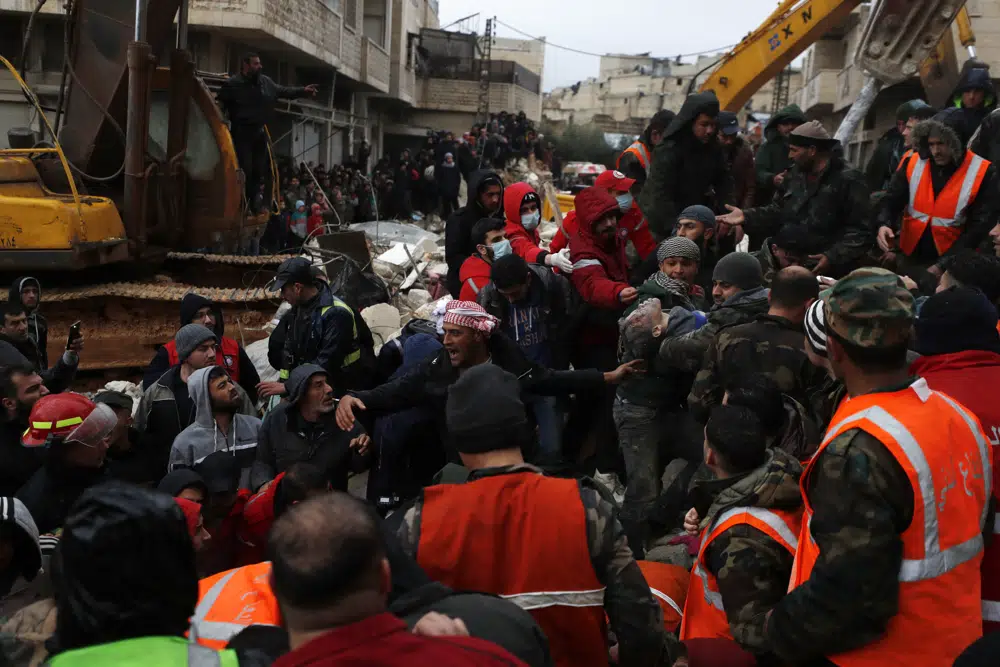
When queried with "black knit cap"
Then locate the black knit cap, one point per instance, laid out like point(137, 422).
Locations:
point(956, 320)
point(509, 271)
point(484, 412)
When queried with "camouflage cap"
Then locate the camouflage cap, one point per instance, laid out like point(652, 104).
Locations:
point(870, 308)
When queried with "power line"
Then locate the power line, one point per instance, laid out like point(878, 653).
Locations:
point(598, 55)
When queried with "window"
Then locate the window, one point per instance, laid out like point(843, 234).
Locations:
point(351, 14)
point(332, 5)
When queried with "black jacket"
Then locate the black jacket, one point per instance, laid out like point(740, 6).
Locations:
point(448, 179)
point(458, 229)
point(190, 305)
point(56, 379)
point(17, 462)
point(684, 171)
point(38, 326)
point(250, 104)
point(52, 490)
point(427, 385)
point(563, 310)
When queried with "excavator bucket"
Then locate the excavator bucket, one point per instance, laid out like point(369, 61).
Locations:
point(901, 34)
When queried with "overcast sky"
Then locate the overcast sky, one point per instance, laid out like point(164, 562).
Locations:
point(664, 27)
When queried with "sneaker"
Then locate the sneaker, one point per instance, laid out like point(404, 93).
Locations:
point(611, 483)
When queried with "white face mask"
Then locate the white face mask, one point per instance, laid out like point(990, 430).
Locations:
point(531, 220)
point(624, 201)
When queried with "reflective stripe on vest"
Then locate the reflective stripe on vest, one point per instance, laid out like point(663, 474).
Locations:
point(584, 263)
point(704, 609)
point(638, 149)
point(666, 598)
point(543, 599)
point(217, 633)
point(201, 656)
point(945, 211)
point(473, 286)
point(356, 355)
point(945, 456)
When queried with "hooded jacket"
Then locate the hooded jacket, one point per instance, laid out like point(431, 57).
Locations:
point(751, 568)
point(479, 272)
point(979, 215)
point(203, 437)
point(38, 326)
point(523, 242)
point(600, 273)
point(889, 151)
point(190, 305)
point(26, 579)
point(772, 156)
point(286, 438)
point(975, 78)
point(458, 229)
point(55, 487)
point(166, 409)
point(684, 171)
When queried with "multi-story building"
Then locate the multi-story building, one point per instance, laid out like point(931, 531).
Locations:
point(832, 81)
point(629, 90)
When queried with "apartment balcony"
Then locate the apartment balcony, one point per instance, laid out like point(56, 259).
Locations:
point(849, 82)
point(375, 66)
point(820, 93)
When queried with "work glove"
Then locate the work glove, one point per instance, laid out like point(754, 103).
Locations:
point(560, 260)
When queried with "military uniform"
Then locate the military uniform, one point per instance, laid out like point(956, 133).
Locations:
point(750, 567)
point(851, 598)
point(769, 345)
point(685, 353)
point(834, 206)
point(634, 614)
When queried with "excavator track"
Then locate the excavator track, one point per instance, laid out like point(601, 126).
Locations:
point(124, 322)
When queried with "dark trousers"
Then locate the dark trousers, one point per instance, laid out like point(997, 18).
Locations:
point(251, 153)
point(448, 205)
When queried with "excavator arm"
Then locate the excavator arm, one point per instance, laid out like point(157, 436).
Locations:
point(790, 30)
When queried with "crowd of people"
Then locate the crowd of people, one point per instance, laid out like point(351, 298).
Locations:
point(636, 446)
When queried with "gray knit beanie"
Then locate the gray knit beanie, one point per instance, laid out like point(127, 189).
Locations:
point(678, 246)
point(739, 268)
point(699, 213)
point(189, 337)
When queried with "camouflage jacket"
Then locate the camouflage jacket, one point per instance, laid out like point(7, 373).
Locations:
point(862, 502)
point(768, 264)
point(634, 614)
point(835, 207)
point(686, 352)
point(751, 568)
point(770, 345)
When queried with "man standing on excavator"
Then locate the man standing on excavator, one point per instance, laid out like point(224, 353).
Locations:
point(248, 99)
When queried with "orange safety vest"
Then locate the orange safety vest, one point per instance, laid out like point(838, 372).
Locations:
point(639, 150)
point(522, 536)
point(669, 585)
point(705, 611)
point(944, 213)
point(231, 601)
point(943, 450)
point(227, 356)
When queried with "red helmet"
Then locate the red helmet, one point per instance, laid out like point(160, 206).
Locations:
point(70, 417)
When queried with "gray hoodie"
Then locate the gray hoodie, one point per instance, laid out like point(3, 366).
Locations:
point(203, 437)
point(28, 577)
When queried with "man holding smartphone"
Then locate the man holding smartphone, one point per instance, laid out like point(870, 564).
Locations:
point(15, 330)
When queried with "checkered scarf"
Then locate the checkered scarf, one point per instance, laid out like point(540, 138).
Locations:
point(470, 314)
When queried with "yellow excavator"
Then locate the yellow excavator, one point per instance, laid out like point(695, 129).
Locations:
point(115, 201)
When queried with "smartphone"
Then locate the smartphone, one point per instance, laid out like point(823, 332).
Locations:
point(74, 333)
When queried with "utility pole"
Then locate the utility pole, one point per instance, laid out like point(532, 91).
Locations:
point(782, 83)
point(485, 61)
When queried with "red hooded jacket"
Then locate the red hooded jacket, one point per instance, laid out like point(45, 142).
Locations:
point(970, 378)
point(476, 270)
point(258, 515)
point(523, 242)
point(599, 273)
point(633, 222)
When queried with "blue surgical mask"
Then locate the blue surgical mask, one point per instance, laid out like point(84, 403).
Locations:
point(624, 201)
point(501, 249)
point(531, 220)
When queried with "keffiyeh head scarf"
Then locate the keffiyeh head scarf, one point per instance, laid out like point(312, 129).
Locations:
point(470, 314)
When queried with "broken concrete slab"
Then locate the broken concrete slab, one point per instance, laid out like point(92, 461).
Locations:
point(383, 320)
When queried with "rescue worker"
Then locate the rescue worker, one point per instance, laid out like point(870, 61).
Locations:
point(888, 153)
point(27, 291)
point(196, 309)
point(74, 430)
point(635, 160)
point(772, 162)
point(956, 334)
point(632, 221)
point(739, 296)
point(572, 562)
point(975, 96)
point(689, 167)
point(887, 570)
point(823, 193)
point(941, 200)
point(249, 99)
point(523, 209)
point(485, 201)
point(669, 585)
point(233, 600)
point(129, 618)
point(491, 241)
point(749, 526)
point(739, 159)
point(320, 329)
point(303, 428)
point(333, 598)
point(772, 344)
